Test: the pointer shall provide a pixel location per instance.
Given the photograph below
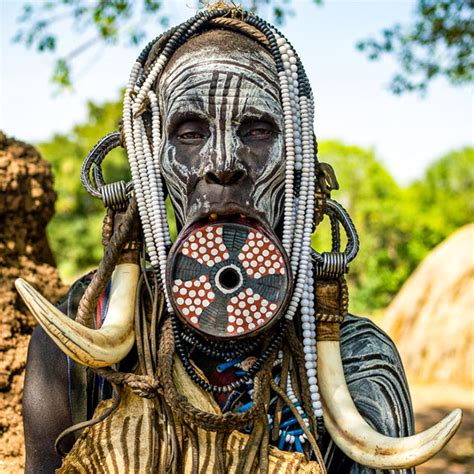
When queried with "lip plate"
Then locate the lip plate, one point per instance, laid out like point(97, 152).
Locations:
point(253, 225)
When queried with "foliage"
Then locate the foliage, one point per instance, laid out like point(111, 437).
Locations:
point(437, 43)
point(397, 226)
point(74, 232)
point(107, 22)
point(372, 198)
point(444, 197)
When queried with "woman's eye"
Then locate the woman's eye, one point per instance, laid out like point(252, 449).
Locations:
point(256, 132)
point(190, 136)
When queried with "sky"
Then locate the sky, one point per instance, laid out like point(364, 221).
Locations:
point(352, 100)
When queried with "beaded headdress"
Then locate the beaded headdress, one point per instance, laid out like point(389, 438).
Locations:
point(307, 184)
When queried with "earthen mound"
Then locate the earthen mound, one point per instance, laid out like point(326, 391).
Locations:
point(26, 206)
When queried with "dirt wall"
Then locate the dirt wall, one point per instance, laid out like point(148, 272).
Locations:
point(26, 206)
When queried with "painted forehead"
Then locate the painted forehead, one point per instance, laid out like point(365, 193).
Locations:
point(206, 79)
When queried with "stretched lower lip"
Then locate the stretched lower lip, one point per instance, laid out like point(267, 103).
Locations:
point(231, 217)
point(231, 212)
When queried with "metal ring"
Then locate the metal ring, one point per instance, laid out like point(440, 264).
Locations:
point(343, 217)
point(99, 181)
point(333, 265)
point(95, 157)
point(98, 177)
point(114, 195)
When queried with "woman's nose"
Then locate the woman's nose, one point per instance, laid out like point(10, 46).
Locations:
point(225, 177)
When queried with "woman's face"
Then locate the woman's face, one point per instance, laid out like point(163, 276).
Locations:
point(223, 148)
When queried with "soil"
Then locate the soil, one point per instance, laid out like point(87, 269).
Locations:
point(433, 402)
point(26, 206)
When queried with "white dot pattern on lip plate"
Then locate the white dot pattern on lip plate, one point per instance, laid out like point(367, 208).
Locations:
point(248, 311)
point(260, 257)
point(193, 297)
point(206, 245)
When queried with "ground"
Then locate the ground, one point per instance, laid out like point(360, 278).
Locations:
point(26, 206)
point(431, 403)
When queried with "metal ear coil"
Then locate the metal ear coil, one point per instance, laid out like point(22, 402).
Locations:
point(333, 264)
point(336, 263)
point(114, 195)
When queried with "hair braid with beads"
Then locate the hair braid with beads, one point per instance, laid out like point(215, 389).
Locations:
point(300, 155)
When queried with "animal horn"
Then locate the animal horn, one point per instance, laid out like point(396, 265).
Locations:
point(356, 438)
point(91, 347)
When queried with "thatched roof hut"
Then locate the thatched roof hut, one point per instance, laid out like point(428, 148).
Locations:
point(432, 317)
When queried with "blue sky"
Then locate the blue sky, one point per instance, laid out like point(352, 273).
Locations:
point(352, 100)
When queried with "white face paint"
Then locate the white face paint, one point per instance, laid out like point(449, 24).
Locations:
point(222, 142)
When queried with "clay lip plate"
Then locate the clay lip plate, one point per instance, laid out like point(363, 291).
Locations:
point(228, 279)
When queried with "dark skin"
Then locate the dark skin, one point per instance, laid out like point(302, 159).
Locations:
point(46, 410)
point(227, 189)
point(223, 150)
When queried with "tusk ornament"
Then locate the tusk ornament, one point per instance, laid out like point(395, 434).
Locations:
point(356, 438)
point(91, 347)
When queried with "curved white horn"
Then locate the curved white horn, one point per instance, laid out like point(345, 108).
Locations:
point(356, 438)
point(92, 347)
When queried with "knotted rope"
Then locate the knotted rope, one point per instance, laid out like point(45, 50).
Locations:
point(112, 253)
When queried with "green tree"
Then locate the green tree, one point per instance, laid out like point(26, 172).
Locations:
point(74, 232)
point(108, 22)
point(372, 198)
point(397, 226)
point(444, 197)
point(438, 43)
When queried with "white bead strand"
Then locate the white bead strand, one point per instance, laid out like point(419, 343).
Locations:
point(309, 343)
point(289, 94)
point(152, 205)
point(144, 200)
point(151, 77)
point(133, 131)
point(302, 245)
point(157, 147)
point(290, 164)
point(128, 125)
point(133, 126)
point(160, 223)
point(301, 254)
point(294, 400)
